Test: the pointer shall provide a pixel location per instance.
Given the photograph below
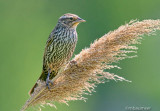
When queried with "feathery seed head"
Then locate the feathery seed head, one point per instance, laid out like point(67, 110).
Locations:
point(78, 79)
point(70, 20)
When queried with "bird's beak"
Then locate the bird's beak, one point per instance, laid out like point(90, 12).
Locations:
point(80, 20)
point(76, 22)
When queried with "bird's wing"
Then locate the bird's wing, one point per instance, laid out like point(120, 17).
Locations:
point(47, 51)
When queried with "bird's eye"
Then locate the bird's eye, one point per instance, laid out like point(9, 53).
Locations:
point(71, 18)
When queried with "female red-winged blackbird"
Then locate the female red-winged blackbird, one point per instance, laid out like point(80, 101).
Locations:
point(59, 47)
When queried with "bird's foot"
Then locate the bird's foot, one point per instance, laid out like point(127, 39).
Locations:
point(48, 81)
point(73, 63)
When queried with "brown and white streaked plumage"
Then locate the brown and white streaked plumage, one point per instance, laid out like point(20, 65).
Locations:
point(59, 47)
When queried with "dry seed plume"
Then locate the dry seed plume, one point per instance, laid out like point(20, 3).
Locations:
point(86, 70)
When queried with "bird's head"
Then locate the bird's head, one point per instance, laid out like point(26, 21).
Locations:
point(70, 20)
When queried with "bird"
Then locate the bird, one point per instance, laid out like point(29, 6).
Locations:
point(59, 47)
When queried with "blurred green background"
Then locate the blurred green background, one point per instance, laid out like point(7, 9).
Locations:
point(24, 29)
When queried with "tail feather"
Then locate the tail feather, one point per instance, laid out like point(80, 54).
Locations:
point(32, 90)
point(43, 77)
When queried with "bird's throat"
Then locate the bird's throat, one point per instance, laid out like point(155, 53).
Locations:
point(75, 25)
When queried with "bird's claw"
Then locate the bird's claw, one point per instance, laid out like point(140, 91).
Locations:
point(73, 63)
point(48, 82)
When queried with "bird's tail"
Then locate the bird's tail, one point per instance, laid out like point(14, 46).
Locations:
point(42, 77)
point(32, 90)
